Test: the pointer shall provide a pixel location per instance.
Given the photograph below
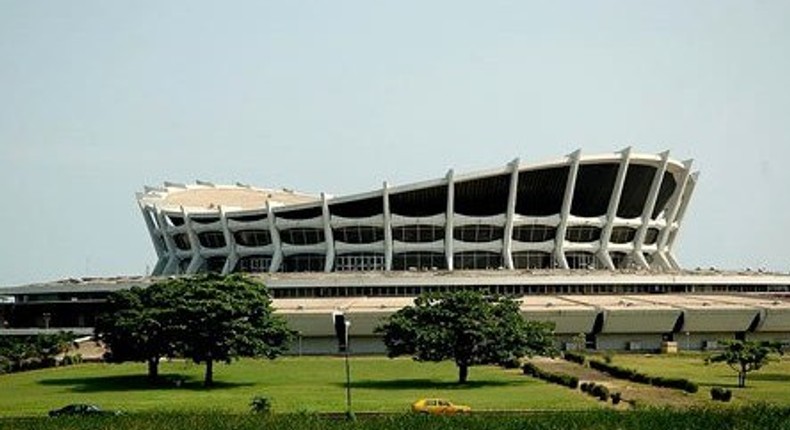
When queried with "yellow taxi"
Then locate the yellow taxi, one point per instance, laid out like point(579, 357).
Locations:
point(438, 407)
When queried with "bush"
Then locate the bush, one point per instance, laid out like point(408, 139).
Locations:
point(261, 405)
point(557, 378)
point(616, 397)
point(597, 390)
point(721, 394)
point(574, 357)
point(641, 378)
point(511, 363)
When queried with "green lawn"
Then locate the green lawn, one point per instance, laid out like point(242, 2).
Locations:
point(308, 384)
point(769, 384)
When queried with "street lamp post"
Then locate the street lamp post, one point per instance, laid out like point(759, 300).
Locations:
point(348, 373)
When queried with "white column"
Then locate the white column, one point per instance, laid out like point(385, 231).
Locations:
point(194, 242)
point(329, 261)
point(385, 192)
point(611, 212)
point(670, 215)
point(507, 240)
point(157, 237)
point(230, 242)
point(567, 202)
point(171, 267)
point(647, 211)
point(277, 257)
point(449, 218)
point(691, 184)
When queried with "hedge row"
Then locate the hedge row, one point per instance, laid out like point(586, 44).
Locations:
point(635, 376)
point(721, 394)
point(601, 392)
point(557, 378)
point(574, 357)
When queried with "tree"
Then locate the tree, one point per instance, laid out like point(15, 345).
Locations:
point(466, 327)
point(222, 318)
point(745, 356)
point(205, 318)
point(139, 325)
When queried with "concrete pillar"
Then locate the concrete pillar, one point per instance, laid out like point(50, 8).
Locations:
point(567, 202)
point(611, 212)
point(329, 259)
point(277, 257)
point(650, 204)
point(507, 240)
point(450, 218)
point(387, 227)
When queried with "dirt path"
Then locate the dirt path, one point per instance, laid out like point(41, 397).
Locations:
point(642, 394)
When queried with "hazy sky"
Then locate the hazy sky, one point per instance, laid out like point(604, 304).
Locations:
point(98, 98)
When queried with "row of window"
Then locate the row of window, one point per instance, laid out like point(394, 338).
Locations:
point(470, 260)
point(413, 234)
point(510, 290)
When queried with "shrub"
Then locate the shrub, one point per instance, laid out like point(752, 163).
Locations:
point(641, 378)
point(511, 363)
point(616, 397)
point(721, 394)
point(261, 405)
point(556, 378)
point(574, 357)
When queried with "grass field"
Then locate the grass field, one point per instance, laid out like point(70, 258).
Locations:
point(316, 384)
point(769, 384)
point(306, 384)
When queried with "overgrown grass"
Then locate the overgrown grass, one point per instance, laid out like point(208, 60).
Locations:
point(752, 418)
point(307, 384)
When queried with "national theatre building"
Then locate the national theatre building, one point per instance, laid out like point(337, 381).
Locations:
point(585, 241)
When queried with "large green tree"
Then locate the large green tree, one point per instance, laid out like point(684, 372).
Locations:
point(223, 318)
point(467, 327)
point(205, 318)
point(139, 325)
point(745, 356)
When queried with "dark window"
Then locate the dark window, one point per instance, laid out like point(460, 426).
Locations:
point(359, 262)
point(215, 264)
point(358, 234)
point(248, 218)
point(534, 233)
point(421, 202)
point(302, 236)
point(253, 237)
point(478, 233)
point(419, 260)
point(204, 220)
point(303, 263)
point(482, 196)
point(583, 234)
point(540, 192)
point(651, 236)
point(175, 220)
point(531, 260)
point(593, 189)
point(358, 208)
point(182, 241)
point(418, 233)
point(622, 235)
point(581, 260)
point(212, 239)
point(254, 263)
point(620, 260)
point(477, 260)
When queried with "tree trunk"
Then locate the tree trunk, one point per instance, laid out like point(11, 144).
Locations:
point(209, 380)
point(463, 373)
point(153, 369)
point(741, 379)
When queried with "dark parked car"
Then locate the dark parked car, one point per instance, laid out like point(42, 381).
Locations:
point(80, 409)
